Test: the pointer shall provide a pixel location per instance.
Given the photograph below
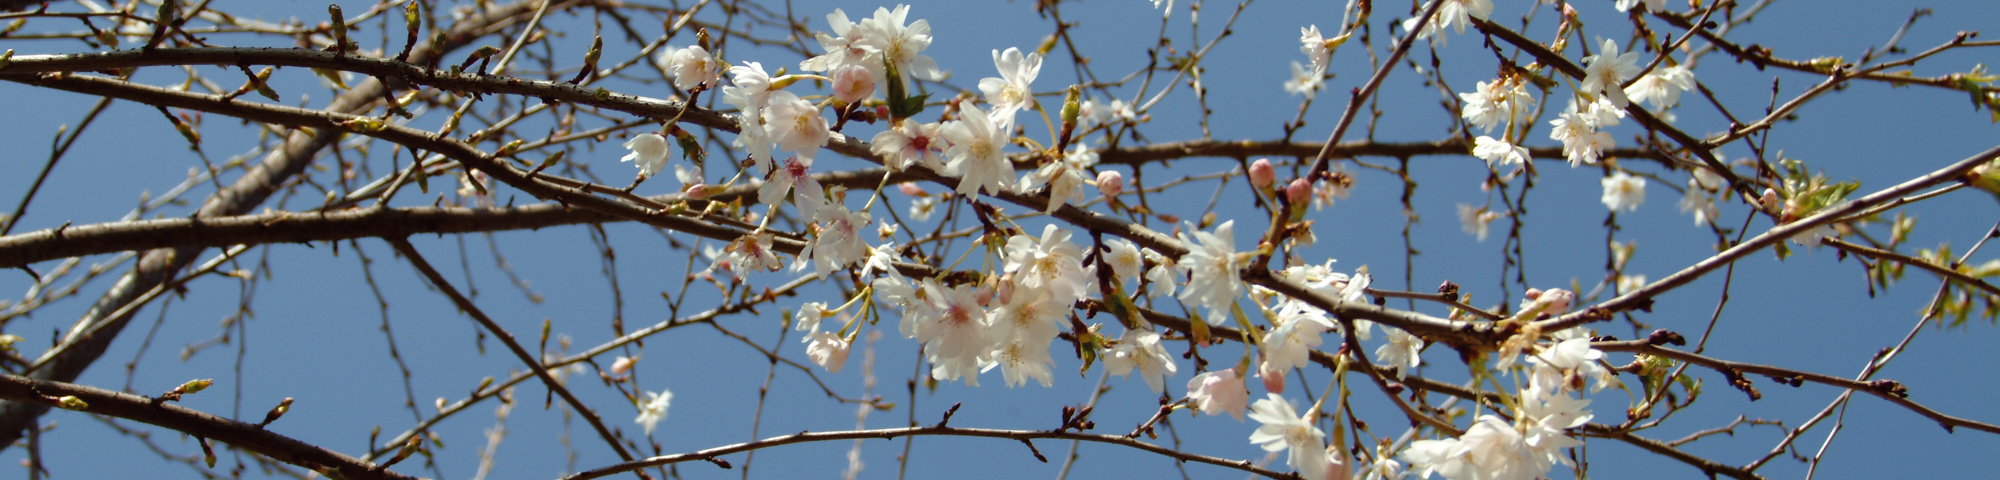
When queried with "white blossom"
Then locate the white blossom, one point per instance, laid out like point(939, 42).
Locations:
point(1284, 429)
point(654, 409)
point(1454, 13)
point(1622, 191)
point(1011, 92)
point(1213, 270)
point(1305, 82)
point(1404, 351)
point(976, 155)
point(1141, 350)
point(1607, 71)
point(649, 152)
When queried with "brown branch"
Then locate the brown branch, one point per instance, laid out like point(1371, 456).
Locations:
point(890, 433)
point(247, 436)
point(1643, 295)
point(657, 108)
point(1884, 389)
point(1926, 265)
point(301, 227)
point(465, 305)
point(1707, 466)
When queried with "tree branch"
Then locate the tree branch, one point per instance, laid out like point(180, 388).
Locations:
point(247, 436)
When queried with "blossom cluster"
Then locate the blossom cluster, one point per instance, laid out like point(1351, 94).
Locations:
point(1008, 315)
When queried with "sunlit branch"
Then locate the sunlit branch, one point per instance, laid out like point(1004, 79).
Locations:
point(247, 436)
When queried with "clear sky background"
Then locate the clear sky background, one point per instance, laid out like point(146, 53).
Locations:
point(315, 333)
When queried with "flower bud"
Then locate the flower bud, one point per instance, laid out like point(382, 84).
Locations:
point(1262, 175)
point(699, 191)
point(72, 403)
point(1274, 380)
point(1299, 191)
point(622, 365)
point(910, 189)
point(193, 386)
point(1005, 292)
point(852, 84)
point(1111, 183)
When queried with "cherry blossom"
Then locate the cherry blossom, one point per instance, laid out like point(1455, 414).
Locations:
point(809, 316)
point(1297, 333)
point(838, 241)
point(747, 253)
point(1699, 201)
point(852, 84)
point(902, 45)
point(1404, 351)
point(1565, 365)
point(1608, 70)
point(692, 66)
point(1475, 220)
point(794, 175)
point(795, 124)
point(1011, 92)
point(1141, 349)
point(975, 154)
point(1305, 82)
point(649, 152)
point(848, 46)
point(1284, 429)
point(1124, 258)
point(1495, 103)
point(1454, 13)
point(1662, 87)
point(956, 336)
point(1651, 5)
point(654, 409)
point(1315, 48)
point(1622, 191)
point(1582, 143)
point(1064, 176)
point(828, 350)
point(1212, 267)
point(750, 91)
point(1218, 392)
point(910, 143)
point(1052, 263)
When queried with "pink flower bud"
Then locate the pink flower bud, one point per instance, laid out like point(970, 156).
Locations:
point(699, 191)
point(1110, 182)
point(1299, 191)
point(1274, 381)
point(1262, 175)
point(1533, 294)
point(1769, 200)
point(851, 84)
point(1559, 300)
point(1005, 292)
point(910, 189)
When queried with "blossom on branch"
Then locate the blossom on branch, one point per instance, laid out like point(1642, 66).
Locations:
point(1141, 349)
point(1011, 92)
point(649, 153)
point(1213, 269)
point(976, 155)
point(1284, 429)
point(654, 409)
point(1218, 392)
